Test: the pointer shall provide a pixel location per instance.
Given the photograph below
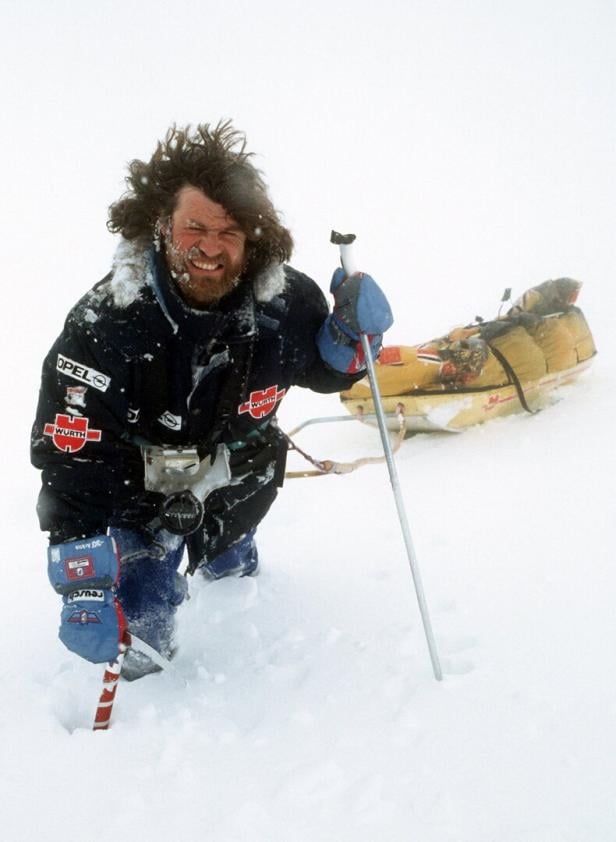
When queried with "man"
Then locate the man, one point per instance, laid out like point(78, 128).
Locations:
point(155, 429)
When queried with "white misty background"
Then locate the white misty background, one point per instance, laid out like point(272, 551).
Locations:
point(470, 146)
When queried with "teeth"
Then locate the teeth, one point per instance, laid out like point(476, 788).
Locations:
point(207, 267)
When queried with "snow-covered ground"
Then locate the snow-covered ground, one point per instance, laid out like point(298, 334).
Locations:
point(310, 709)
point(470, 145)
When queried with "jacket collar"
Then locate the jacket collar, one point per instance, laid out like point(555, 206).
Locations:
point(234, 320)
point(138, 265)
point(132, 271)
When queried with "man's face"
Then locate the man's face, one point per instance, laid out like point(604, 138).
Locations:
point(205, 248)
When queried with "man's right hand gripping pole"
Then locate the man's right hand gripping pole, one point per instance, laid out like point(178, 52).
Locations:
point(360, 307)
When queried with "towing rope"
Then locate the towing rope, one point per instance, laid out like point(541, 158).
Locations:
point(328, 466)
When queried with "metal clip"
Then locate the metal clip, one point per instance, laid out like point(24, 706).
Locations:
point(169, 470)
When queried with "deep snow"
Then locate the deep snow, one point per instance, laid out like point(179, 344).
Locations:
point(311, 711)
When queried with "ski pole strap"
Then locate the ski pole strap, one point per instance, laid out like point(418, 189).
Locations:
point(510, 372)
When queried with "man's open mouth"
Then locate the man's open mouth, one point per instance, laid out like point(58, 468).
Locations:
point(206, 266)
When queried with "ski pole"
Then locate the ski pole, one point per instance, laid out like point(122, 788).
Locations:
point(102, 719)
point(344, 241)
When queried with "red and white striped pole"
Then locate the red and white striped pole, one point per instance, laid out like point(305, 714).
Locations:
point(102, 719)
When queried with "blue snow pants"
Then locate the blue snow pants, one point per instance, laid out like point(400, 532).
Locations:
point(150, 587)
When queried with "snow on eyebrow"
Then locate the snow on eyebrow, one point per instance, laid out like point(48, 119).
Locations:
point(232, 226)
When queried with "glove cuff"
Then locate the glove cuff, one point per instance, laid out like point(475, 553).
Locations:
point(341, 351)
point(89, 563)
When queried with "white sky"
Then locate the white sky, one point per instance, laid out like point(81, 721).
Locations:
point(470, 145)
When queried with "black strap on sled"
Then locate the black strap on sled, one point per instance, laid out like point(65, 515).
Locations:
point(510, 372)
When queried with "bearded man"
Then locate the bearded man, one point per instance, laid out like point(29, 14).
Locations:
point(156, 427)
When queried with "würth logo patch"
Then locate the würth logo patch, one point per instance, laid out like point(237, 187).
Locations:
point(70, 433)
point(262, 402)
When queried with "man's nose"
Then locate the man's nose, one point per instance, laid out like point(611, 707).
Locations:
point(209, 243)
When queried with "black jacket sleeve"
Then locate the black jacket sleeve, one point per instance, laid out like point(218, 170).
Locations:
point(79, 440)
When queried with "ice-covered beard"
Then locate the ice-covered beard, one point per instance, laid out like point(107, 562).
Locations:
point(201, 287)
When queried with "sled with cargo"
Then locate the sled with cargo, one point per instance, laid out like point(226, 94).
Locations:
point(472, 374)
point(484, 370)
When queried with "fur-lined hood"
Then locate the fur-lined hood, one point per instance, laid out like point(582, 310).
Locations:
point(132, 272)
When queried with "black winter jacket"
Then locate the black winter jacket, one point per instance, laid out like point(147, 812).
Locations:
point(134, 365)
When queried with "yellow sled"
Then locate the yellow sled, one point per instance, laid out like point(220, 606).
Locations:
point(484, 370)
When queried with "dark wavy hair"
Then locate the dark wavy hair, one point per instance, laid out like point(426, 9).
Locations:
point(215, 161)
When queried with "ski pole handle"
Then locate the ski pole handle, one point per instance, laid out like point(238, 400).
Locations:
point(345, 242)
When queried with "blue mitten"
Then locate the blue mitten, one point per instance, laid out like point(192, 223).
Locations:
point(86, 572)
point(360, 306)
